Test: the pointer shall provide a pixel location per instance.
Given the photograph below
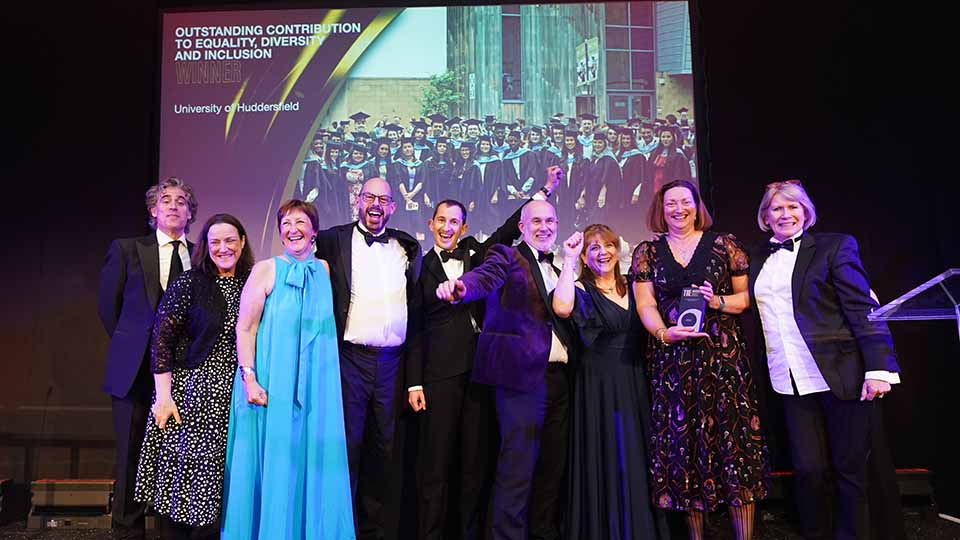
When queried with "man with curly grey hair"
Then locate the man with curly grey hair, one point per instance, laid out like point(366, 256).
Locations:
point(133, 278)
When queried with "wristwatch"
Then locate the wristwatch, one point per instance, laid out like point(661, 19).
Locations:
point(246, 372)
point(545, 191)
point(722, 303)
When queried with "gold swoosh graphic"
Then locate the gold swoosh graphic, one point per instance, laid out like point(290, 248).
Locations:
point(306, 55)
point(233, 109)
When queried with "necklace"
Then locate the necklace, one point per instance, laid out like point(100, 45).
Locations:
point(683, 248)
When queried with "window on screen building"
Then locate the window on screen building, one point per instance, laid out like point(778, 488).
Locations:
point(510, 50)
point(630, 43)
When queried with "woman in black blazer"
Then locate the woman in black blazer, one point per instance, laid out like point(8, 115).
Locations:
point(826, 359)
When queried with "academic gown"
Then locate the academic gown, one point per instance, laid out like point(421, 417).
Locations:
point(631, 217)
point(603, 172)
point(491, 183)
point(408, 219)
point(519, 173)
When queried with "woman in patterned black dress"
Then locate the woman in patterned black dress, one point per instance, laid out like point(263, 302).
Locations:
point(706, 449)
point(194, 359)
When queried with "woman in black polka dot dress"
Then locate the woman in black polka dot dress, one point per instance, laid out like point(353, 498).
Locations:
point(194, 359)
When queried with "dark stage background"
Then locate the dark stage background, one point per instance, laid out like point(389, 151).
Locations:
point(848, 97)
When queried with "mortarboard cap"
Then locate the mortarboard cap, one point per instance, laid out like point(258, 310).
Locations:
point(393, 127)
point(383, 140)
point(406, 140)
point(469, 145)
point(600, 136)
point(485, 138)
point(437, 118)
point(516, 133)
point(333, 146)
point(570, 133)
point(489, 118)
point(471, 122)
point(443, 140)
point(361, 135)
point(418, 124)
point(536, 129)
point(453, 121)
point(359, 116)
point(682, 110)
point(588, 116)
point(499, 125)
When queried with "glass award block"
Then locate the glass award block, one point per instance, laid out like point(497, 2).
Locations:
point(938, 298)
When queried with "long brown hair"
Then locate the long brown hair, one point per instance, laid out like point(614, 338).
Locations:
point(607, 235)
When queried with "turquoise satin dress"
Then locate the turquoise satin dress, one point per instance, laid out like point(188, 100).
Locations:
point(287, 474)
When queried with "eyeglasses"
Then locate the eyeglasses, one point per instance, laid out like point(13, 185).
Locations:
point(370, 197)
point(784, 182)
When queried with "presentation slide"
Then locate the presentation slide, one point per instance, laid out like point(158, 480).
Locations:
point(471, 103)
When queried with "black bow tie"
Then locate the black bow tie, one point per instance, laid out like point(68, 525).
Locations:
point(545, 256)
point(370, 238)
point(786, 244)
point(457, 254)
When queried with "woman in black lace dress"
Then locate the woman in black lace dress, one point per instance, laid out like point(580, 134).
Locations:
point(706, 449)
point(194, 358)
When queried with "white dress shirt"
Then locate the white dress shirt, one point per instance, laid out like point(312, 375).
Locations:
point(377, 316)
point(558, 352)
point(165, 245)
point(787, 352)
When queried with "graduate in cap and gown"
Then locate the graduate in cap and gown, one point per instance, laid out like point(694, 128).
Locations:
point(359, 121)
point(491, 180)
point(421, 147)
point(466, 183)
point(472, 130)
point(355, 169)
point(602, 186)
point(408, 182)
point(569, 193)
point(588, 121)
point(394, 134)
point(437, 128)
point(500, 145)
point(455, 132)
point(439, 168)
point(382, 157)
point(333, 194)
point(648, 140)
point(633, 166)
point(519, 168)
point(308, 183)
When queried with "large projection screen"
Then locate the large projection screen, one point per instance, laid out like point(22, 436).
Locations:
point(254, 101)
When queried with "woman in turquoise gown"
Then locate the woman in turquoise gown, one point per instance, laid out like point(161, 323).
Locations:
point(287, 474)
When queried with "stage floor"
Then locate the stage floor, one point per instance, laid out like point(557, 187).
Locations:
point(773, 523)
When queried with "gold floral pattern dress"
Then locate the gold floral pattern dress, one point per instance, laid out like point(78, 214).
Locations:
point(706, 448)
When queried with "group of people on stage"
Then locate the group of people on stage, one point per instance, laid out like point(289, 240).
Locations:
point(263, 400)
point(611, 171)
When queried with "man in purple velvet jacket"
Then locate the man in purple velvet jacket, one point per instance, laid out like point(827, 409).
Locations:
point(523, 352)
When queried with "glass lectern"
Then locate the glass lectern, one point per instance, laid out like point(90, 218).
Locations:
point(938, 298)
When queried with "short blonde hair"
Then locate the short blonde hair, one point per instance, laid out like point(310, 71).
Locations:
point(792, 190)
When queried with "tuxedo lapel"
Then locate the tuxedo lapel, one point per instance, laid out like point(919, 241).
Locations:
point(148, 251)
point(804, 257)
point(435, 266)
point(535, 270)
point(345, 245)
point(756, 264)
